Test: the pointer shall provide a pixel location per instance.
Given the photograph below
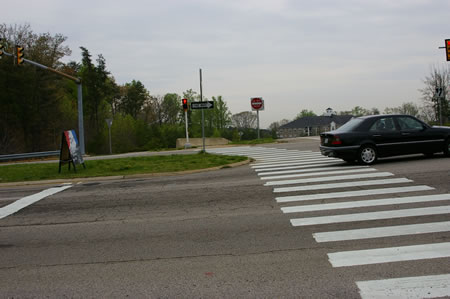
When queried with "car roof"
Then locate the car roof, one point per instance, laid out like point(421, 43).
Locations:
point(381, 115)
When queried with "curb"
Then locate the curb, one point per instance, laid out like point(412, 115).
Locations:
point(122, 177)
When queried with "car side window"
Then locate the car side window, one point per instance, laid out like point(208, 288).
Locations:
point(383, 125)
point(408, 123)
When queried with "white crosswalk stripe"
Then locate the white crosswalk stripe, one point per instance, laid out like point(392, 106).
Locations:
point(332, 195)
point(431, 286)
point(388, 255)
point(366, 203)
point(312, 171)
point(342, 185)
point(306, 162)
point(438, 210)
point(330, 178)
point(380, 232)
point(289, 160)
point(309, 171)
point(311, 166)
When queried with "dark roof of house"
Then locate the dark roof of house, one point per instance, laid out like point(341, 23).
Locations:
point(317, 121)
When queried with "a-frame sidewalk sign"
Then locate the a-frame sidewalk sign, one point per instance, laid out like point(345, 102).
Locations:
point(70, 150)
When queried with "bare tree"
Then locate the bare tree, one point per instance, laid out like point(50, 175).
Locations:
point(244, 120)
point(275, 125)
point(439, 78)
point(406, 108)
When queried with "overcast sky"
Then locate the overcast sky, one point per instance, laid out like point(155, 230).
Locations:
point(295, 54)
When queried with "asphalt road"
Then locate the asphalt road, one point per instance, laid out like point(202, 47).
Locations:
point(223, 233)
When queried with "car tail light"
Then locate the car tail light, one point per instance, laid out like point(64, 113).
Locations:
point(336, 141)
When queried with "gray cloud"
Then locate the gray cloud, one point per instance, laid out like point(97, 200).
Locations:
point(296, 54)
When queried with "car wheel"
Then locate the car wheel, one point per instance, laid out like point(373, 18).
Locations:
point(367, 155)
point(447, 147)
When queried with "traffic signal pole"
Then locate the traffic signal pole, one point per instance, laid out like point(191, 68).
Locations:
point(187, 144)
point(185, 105)
point(79, 91)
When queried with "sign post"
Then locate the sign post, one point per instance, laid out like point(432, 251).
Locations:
point(257, 105)
point(109, 123)
point(203, 114)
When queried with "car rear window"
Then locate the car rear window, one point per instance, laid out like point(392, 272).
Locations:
point(351, 125)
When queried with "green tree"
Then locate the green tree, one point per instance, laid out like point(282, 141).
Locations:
point(360, 111)
point(133, 98)
point(304, 113)
point(31, 116)
point(221, 114)
point(171, 109)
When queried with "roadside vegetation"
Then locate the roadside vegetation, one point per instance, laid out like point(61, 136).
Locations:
point(115, 167)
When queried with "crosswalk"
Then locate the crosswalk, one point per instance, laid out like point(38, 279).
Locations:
point(300, 177)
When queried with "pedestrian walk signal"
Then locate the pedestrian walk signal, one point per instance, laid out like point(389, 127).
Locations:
point(185, 104)
point(20, 55)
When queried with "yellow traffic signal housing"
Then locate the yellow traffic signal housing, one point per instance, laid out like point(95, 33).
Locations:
point(447, 49)
point(20, 54)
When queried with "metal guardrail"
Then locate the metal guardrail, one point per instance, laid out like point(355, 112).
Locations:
point(28, 155)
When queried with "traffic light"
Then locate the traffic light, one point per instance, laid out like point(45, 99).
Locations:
point(447, 49)
point(185, 104)
point(1, 48)
point(20, 55)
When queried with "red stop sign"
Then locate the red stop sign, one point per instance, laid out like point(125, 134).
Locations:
point(256, 103)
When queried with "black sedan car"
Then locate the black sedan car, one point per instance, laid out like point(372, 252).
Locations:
point(367, 138)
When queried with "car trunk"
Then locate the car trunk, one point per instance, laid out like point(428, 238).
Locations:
point(326, 139)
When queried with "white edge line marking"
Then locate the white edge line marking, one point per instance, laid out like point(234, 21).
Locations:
point(29, 200)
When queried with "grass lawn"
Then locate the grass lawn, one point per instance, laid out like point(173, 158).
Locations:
point(112, 167)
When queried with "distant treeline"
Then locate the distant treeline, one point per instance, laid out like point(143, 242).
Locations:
point(37, 105)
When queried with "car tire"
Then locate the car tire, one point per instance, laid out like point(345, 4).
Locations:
point(447, 147)
point(367, 154)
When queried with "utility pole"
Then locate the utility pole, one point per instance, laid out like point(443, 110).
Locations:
point(203, 114)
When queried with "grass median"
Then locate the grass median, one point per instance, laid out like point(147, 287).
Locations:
point(115, 167)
